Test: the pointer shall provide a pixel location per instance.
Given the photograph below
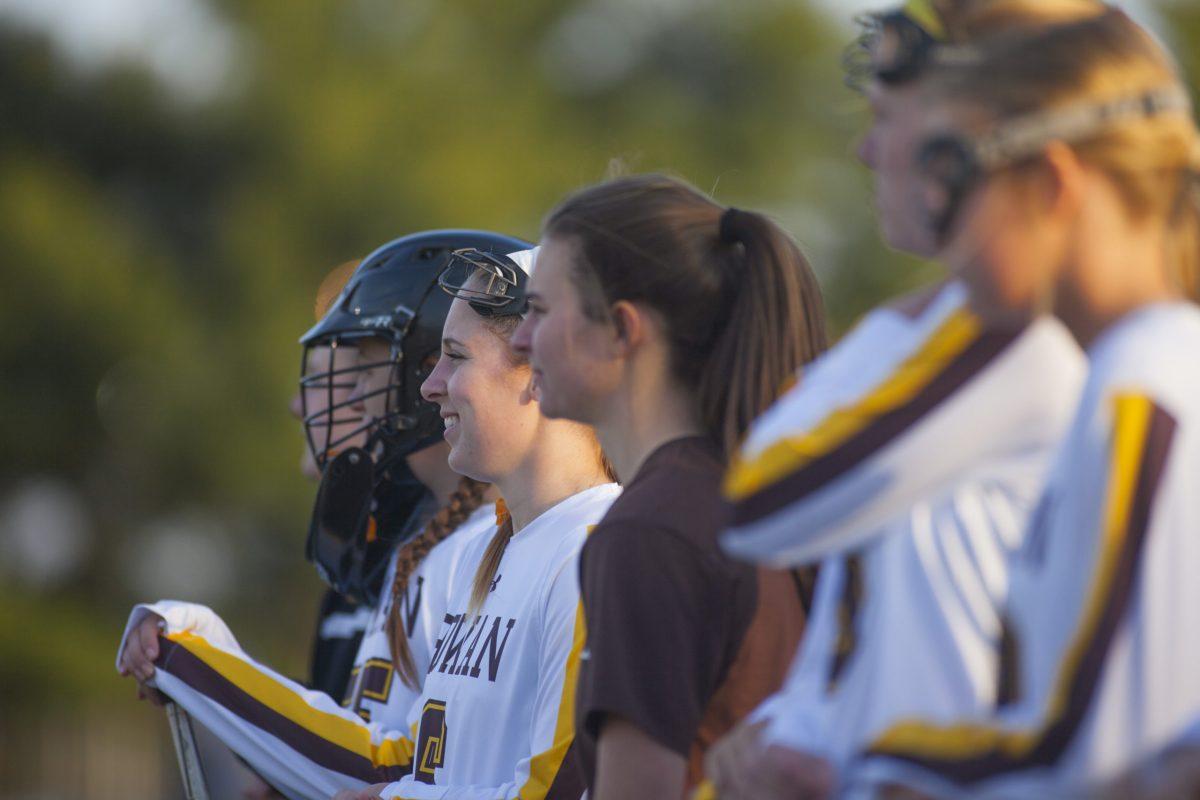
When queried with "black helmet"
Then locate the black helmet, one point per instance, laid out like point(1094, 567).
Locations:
point(368, 497)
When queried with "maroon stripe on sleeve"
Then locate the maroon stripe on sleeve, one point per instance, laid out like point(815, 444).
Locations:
point(1057, 735)
point(880, 432)
point(178, 661)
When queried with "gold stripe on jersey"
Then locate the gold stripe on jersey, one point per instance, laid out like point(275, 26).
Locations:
point(992, 749)
point(545, 766)
point(394, 751)
point(783, 458)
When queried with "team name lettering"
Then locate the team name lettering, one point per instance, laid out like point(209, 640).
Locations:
point(483, 639)
point(410, 606)
point(447, 620)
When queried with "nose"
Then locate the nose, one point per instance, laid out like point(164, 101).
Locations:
point(355, 398)
point(433, 388)
point(522, 338)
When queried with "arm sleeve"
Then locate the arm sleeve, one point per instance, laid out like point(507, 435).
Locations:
point(660, 614)
point(1054, 745)
point(300, 741)
point(828, 469)
point(549, 770)
point(180, 616)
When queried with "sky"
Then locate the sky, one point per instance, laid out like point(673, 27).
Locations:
point(183, 42)
point(197, 55)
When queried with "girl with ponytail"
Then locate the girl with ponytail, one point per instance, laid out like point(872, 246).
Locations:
point(668, 322)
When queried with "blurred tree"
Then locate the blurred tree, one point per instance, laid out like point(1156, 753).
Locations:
point(160, 253)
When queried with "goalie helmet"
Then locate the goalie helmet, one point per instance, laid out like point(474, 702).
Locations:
point(368, 499)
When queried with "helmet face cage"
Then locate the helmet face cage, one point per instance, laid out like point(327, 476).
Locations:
point(958, 163)
point(331, 407)
point(492, 284)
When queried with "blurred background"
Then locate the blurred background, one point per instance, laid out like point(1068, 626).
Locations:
point(175, 178)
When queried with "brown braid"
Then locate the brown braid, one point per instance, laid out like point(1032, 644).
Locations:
point(463, 502)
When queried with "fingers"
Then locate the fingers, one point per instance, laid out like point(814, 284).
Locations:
point(147, 633)
point(132, 656)
point(806, 775)
point(733, 763)
point(141, 648)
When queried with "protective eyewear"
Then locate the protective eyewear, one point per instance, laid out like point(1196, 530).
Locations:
point(492, 284)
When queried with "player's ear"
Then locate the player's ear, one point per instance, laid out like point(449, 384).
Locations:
point(1060, 184)
point(628, 327)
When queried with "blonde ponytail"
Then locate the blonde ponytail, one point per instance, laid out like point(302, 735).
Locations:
point(486, 573)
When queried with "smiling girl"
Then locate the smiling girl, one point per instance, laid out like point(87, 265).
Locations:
point(494, 719)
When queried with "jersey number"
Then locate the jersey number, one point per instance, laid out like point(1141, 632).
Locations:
point(372, 681)
point(431, 740)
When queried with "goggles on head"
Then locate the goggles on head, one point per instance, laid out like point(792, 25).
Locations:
point(958, 163)
point(492, 284)
point(897, 46)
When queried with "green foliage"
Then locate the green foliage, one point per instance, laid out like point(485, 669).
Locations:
point(160, 257)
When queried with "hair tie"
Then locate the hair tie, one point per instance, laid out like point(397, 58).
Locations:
point(502, 515)
point(727, 229)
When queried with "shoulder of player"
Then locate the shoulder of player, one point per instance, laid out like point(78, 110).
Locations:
point(554, 541)
point(919, 302)
point(1151, 353)
point(643, 546)
point(863, 359)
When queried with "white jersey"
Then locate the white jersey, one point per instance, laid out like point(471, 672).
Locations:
point(304, 742)
point(906, 617)
point(893, 415)
point(496, 714)
point(376, 691)
point(1105, 600)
